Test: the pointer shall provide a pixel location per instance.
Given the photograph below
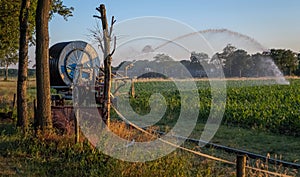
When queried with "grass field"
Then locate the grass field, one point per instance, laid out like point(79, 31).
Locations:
point(7, 91)
point(54, 155)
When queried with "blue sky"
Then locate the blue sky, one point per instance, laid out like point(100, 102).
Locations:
point(273, 23)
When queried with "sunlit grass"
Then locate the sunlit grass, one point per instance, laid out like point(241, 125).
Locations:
point(56, 155)
point(52, 155)
point(7, 91)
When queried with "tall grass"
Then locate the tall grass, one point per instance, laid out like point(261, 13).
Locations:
point(53, 155)
point(7, 91)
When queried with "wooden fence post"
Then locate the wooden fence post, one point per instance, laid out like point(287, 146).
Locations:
point(132, 91)
point(241, 166)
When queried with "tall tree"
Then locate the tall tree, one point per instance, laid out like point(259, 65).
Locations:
point(23, 64)
point(220, 58)
point(8, 59)
point(57, 7)
point(256, 68)
point(286, 60)
point(297, 72)
point(197, 61)
point(163, 64)
point(199, 57)
point(42, 65)
point(9, 32)
point(237, 63)
point(17, 32)
point(161, 57)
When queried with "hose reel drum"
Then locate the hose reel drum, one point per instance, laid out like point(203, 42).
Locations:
point(70, 60)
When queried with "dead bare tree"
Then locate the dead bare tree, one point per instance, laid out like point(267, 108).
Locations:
point(104, 41)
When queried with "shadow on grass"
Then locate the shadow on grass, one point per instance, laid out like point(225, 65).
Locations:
point(7, 127)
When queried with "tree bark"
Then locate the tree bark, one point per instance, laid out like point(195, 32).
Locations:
point(42, 66)
point(107, 89)
point(107, 67)
point(6, 72)
point(22, 119)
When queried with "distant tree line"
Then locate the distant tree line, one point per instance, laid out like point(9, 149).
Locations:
point(13, 73)
point(232, 61)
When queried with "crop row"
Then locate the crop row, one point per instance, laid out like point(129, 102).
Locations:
point(249, 104)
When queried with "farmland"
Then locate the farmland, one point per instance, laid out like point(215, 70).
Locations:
point(252, 104)
point(260, 118)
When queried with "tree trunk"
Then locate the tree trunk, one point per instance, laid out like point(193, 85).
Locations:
point(6, 72)
point(107, 90)
point(107, 67)
point(22, 120)
point(42, 66)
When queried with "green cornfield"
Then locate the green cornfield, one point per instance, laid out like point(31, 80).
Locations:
point(254, 104)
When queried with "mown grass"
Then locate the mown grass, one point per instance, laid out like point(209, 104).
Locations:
point(281, 147)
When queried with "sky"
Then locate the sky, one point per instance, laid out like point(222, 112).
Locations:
point(273, 23)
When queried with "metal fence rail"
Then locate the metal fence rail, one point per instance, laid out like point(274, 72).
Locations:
point(239, 151)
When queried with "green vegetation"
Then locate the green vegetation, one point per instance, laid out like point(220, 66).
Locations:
point(273, 108)
point(7, 91)
point(276, 146)
point(13, 73)
point(249, 104)
point(53, 155)
point(234, 62)
point(44, 155)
